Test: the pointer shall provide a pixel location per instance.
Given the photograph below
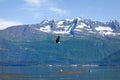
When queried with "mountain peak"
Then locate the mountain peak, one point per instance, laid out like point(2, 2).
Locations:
point(76, 26)
point(78, 18)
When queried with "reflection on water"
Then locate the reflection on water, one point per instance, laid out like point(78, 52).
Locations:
point(59, 72)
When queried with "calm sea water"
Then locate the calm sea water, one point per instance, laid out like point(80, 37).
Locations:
point(60, 72)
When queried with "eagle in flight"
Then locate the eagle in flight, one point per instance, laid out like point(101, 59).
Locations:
point(58, 39)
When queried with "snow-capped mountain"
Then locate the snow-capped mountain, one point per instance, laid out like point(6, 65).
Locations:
point(91, 42)
point(78, 26)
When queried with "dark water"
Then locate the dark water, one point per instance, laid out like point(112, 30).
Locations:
point(60, 72)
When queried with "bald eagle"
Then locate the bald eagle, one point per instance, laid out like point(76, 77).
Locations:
point(58, 39)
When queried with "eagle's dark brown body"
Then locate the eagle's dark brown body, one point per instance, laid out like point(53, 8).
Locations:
point(58, 39)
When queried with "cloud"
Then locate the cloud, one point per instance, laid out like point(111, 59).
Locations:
point(8, 23)
point(43, 8)
point(34, 3)
point(58, 10)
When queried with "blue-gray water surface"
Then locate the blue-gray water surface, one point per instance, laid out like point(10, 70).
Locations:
point(60, 72)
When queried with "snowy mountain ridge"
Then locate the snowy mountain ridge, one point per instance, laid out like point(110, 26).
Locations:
point(79, 25)
point(74, 27)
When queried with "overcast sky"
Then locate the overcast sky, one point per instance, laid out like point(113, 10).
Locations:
point(15, 12)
